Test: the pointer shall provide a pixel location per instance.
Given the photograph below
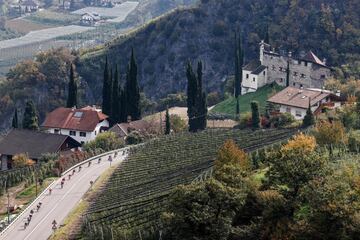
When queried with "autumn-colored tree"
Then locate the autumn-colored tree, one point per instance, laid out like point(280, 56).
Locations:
point(21, 160)
point(330, 134)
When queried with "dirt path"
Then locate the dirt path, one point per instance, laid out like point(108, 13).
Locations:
point(13, 192)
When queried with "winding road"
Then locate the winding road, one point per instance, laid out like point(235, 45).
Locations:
point(58, 204)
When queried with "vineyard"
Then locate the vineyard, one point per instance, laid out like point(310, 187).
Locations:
point(129, 206)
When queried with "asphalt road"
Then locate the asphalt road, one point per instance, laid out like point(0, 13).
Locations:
point(58, 204)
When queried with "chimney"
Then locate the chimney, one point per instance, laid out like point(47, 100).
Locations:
point(324, 61)
point(338, 93)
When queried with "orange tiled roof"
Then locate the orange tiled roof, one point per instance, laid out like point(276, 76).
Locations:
point(84, 119)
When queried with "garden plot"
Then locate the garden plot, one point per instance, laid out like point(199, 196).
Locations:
point(119, 12)
point(42, 35)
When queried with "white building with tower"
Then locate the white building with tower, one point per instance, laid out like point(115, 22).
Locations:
point(306, 70)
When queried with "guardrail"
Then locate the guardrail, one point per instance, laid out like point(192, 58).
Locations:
point(64, 173)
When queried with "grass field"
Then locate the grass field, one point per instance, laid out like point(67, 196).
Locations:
point(24, 26)
point(54, 18)
point(261, 95)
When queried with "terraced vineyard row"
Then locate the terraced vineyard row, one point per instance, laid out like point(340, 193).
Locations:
point(137, 192)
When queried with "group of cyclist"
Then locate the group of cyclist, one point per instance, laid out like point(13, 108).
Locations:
point(54, 223)
point(28, 219)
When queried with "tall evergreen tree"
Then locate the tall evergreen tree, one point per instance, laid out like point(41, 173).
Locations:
point(239, 62)
point(288, 74)
point(237, 108)
point(167, 122)
point(123, 104)
point(116, 98)
point(255, 115)
point(132, 90)
point(15, 120)
point(72, 89)
point(30, 120)
point(106, 92)
point(196, 101)
point(309, 119)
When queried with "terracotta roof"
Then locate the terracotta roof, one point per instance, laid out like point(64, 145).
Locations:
point(295, 97)
point(311, 57)
point(254, 67)
point(34, 143)
point(123, 129)
point(84, 119)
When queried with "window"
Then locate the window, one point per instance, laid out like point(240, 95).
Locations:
point(78, 114)
point(295, 73)
point(82, 142)
point(56, 131)
point(72, 133)
point(288, 110)
point(322, 76)
point(306, 64)
point(280, 69)
point(82, 134)
point(298, 113)
point(264, 73)
point(273, 68)
point(301, 85)
point(247, 76)
point(302, 75)
point(95, 133)
point(294, 84)
point(253, 79)
point(281, 80)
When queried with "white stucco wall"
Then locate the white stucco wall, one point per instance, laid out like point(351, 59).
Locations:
point(89, 135)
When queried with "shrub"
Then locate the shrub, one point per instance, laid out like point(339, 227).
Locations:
point(354, 141)
point(281, 120)
point(134, 137)
point(21, 160)
point(104, 142)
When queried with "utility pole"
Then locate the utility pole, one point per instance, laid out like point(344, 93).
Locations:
point(8, 201)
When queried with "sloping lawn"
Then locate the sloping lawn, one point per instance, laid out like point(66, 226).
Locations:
point(261, 95)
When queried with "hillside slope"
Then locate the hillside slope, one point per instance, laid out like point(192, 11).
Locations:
point(130, 204)
point(331, 28)
point(261, 95)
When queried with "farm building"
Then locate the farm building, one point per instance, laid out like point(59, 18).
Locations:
point(296, 101)
point(82, 124)
point(34, 144)
point(122, 130)
point(90, 18)
point(28, 6)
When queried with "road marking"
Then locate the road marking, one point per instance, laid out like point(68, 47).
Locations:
point(57, 204)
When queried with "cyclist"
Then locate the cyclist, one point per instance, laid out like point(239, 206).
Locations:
point(99, 160)
point(50, 190)
point(54, 223)
point(89, 164)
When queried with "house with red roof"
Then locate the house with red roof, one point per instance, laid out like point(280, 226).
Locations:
point(305, 70)
point(82, 124)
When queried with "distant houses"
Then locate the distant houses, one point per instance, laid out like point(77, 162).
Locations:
point(34, 144)
point(28, 6)
point(82, 124)
point(296, 101)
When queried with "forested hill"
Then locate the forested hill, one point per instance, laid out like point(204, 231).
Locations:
point(331, 28)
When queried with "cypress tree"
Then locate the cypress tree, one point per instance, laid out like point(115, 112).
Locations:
point(239, 62)
point(106, 91)
point(196, 100)
point(191, 96)
point(30, 120)
point(255, 115)
point(237, 108)
point(132, 90)
point(15, 120)
point(72, 89)
point(167, 122)
point(309, 119)
point(288, 74)
point(123, 104)
point(116, 98)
